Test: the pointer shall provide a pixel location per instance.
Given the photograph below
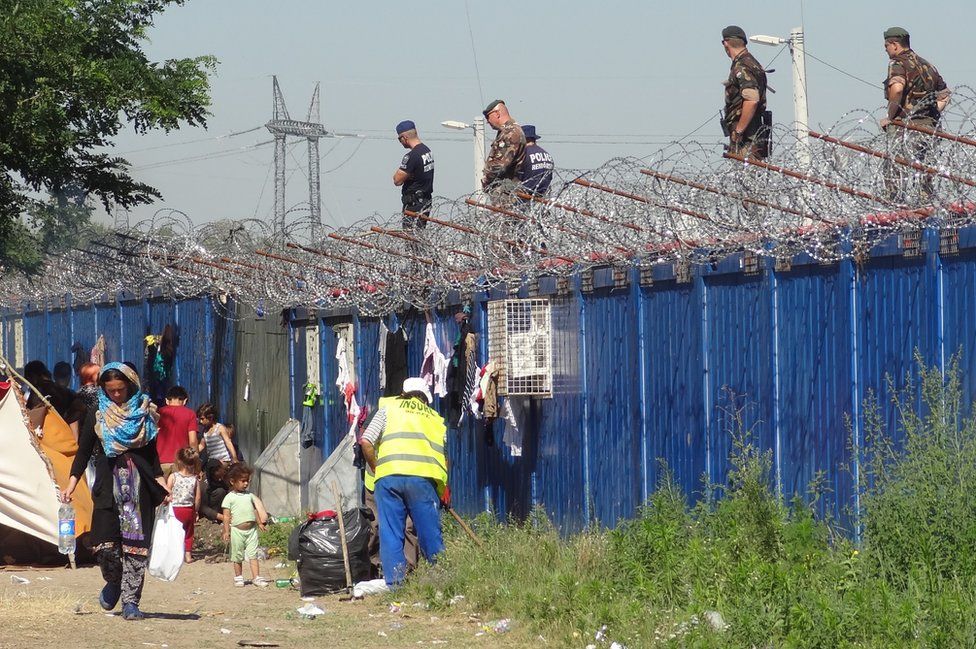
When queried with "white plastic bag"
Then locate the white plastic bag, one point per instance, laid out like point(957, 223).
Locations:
point(166, 555)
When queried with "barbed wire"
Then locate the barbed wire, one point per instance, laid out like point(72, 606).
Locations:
point(831, 196)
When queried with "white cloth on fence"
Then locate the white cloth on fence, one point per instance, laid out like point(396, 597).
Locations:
point(513, 412)
point(383, 333)
point(434, 368)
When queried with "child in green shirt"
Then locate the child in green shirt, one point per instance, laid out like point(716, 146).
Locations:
point(244, 514)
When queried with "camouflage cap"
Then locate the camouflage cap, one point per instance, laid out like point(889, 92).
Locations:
point(492, 107)
point(895, 32)
point(734, 31)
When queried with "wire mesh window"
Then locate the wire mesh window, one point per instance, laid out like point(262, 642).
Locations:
point(520, 343)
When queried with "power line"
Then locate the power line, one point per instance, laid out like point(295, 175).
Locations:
point(341, 164)
point(844, 72)
point(474, 53)
point(197, 141)
point(205, 156)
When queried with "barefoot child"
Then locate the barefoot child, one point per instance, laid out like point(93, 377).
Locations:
point(244, 514)
point(184, 486)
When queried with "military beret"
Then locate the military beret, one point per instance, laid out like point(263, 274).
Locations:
point(491, 107)
point(895, 32)
point(404, 126)
point(734, 31)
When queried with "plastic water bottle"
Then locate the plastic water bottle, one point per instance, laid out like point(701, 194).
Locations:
point(66, 529)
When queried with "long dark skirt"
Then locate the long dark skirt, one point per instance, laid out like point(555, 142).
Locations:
point(125, 496)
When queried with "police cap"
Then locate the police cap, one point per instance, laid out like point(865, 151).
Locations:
point(895, 32)
point(404, 126)
point(492, 106)
point(734, 31)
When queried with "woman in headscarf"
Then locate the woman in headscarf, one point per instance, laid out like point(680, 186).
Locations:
point(128, 484)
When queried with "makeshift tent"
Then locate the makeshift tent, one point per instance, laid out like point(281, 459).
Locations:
point(339, 469)
point(32, 470)
point(276, 472)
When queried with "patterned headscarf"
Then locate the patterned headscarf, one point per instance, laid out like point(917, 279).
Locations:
point(127, 426)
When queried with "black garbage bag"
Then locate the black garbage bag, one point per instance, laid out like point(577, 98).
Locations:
point(317, 548)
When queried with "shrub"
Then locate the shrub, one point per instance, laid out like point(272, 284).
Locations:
point(777, 574)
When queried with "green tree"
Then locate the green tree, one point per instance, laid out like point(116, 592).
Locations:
point(73, 73)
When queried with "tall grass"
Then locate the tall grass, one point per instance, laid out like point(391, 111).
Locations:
point(778, 576)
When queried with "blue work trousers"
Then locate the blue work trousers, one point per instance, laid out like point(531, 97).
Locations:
point(397, 496)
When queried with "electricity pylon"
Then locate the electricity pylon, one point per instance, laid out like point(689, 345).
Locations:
point(281, 126)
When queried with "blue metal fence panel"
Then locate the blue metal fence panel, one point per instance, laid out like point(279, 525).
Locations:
point(107, 321)
point(740, 377)
point(59, 338)
point(84, 329)
point(335, 422)
point(161, 313)
point(224, 367)
point(35, 337)
point(814, 352)
point(959, 298)
point(367, 361)
point(612, 367)
point(132, 342)
point(673, 360)
point(194, 347)
point(556, 438)
point(897, 316)
point(506, 479)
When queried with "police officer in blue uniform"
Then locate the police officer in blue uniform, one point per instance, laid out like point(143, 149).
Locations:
point(535, 172)
point(415, 175)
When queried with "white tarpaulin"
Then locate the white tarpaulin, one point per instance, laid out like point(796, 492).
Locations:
point(28, 494)
point(276, 472)
point(337, 468)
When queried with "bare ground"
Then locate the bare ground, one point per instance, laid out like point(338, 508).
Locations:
point(59, 608)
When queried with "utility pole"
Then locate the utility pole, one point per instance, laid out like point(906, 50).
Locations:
point(281, 126)
point(479, 152)
point(478, 127)
point(800, 96)
point(800, 113)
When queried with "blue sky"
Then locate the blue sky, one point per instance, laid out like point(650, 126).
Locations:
point(598, 80)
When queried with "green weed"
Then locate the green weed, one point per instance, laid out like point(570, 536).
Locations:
point(778, 575)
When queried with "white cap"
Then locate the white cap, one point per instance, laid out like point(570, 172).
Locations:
point(416, 384)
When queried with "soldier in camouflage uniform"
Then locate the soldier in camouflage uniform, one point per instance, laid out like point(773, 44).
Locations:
point(507, 151)
point(916, 94)
point(745, 98)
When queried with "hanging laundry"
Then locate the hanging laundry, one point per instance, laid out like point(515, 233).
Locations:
point(98, 352)
point(489, 390)
point(382, 345)
point(457, 372)
point(514, 414)
point(434, 368)
point(483, 402)
point(471, 367)
point(396, 362)
point(313, 394)
point(346, 386)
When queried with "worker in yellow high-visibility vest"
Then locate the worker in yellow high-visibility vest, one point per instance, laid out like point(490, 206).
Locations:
point(404, 446)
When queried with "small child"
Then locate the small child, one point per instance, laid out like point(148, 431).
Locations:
point(184, 488)
point(216, 436)
point(244, 513)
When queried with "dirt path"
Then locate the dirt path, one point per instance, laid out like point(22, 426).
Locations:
point(202, 608)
